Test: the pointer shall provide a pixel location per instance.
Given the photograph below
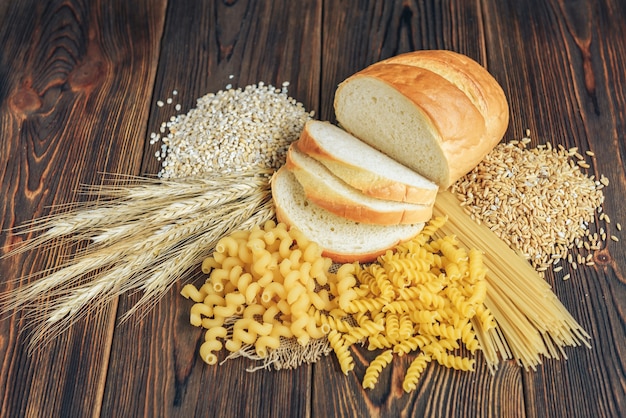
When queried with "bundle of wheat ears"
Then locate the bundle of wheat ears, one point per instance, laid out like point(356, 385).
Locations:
point(143, 234)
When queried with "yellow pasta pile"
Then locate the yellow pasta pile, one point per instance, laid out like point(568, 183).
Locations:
point(270, 284)
point(263, 284)
point(425, 297)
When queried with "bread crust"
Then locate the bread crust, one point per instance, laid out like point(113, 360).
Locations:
point(366, 181)
point(336, 202)
point(465, 105)
point(362, 256)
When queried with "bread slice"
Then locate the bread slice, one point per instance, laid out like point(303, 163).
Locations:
point(436, 112)
point(329, 192)
point(363, 167)
point(342, 240)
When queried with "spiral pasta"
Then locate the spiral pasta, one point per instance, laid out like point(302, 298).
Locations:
point(372, 326)
point(373, 370)
point(321, 319)
point(427, 296)
point(414, 372)
point(341, 351)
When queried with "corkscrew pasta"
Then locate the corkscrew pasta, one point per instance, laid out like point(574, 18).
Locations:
point(424, 299)
point(376, 366)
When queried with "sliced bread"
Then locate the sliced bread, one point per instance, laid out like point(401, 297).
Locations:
point(436, 112)
point(342, 240)
point(331, 193)
point(363, 167)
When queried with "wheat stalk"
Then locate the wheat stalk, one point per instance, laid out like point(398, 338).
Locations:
point(144, 237)
point(120, 205)
point(153, 285)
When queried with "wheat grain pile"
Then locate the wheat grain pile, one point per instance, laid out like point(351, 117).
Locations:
point(232, 130)
point(539, 201)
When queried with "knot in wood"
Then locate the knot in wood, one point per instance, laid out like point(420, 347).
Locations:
point(25, 100)
point(602, 257)
point(87, 75)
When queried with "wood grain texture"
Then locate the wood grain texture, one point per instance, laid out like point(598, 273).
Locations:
point(79, 85)
point(168, 378)
point(76, 77)
point(572, 95)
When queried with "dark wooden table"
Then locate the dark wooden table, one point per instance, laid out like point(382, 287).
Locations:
point(79, 84)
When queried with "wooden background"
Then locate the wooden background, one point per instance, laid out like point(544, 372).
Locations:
point(79, 82)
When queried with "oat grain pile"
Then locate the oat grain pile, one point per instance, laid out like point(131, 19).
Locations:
point(539, 201)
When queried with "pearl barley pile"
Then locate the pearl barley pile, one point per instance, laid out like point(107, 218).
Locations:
point(232, 130)
point(538, 201)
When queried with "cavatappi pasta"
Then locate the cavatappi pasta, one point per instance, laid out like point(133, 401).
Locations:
point(267, 283)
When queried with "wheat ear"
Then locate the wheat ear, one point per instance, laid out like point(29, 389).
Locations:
point(119, 205)
point(146, 249)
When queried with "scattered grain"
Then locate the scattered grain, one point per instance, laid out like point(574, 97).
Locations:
point(546, 205)
point(604, 180)
point(614, 238)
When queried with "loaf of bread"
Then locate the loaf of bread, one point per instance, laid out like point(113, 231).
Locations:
point(436, 112)
point(331, 193)
point(363, 167)
point(342, 240)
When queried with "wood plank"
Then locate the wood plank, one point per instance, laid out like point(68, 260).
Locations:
point(76, 79)
point(374, 31)
point(163, 374)
point(561, 64)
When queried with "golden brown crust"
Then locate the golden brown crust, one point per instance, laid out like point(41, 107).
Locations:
point(349, 210)
point(477, 83)
point(458, 123)
point(362, 179)
point(464, 103)
point(335, 202)
point(339, 256)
